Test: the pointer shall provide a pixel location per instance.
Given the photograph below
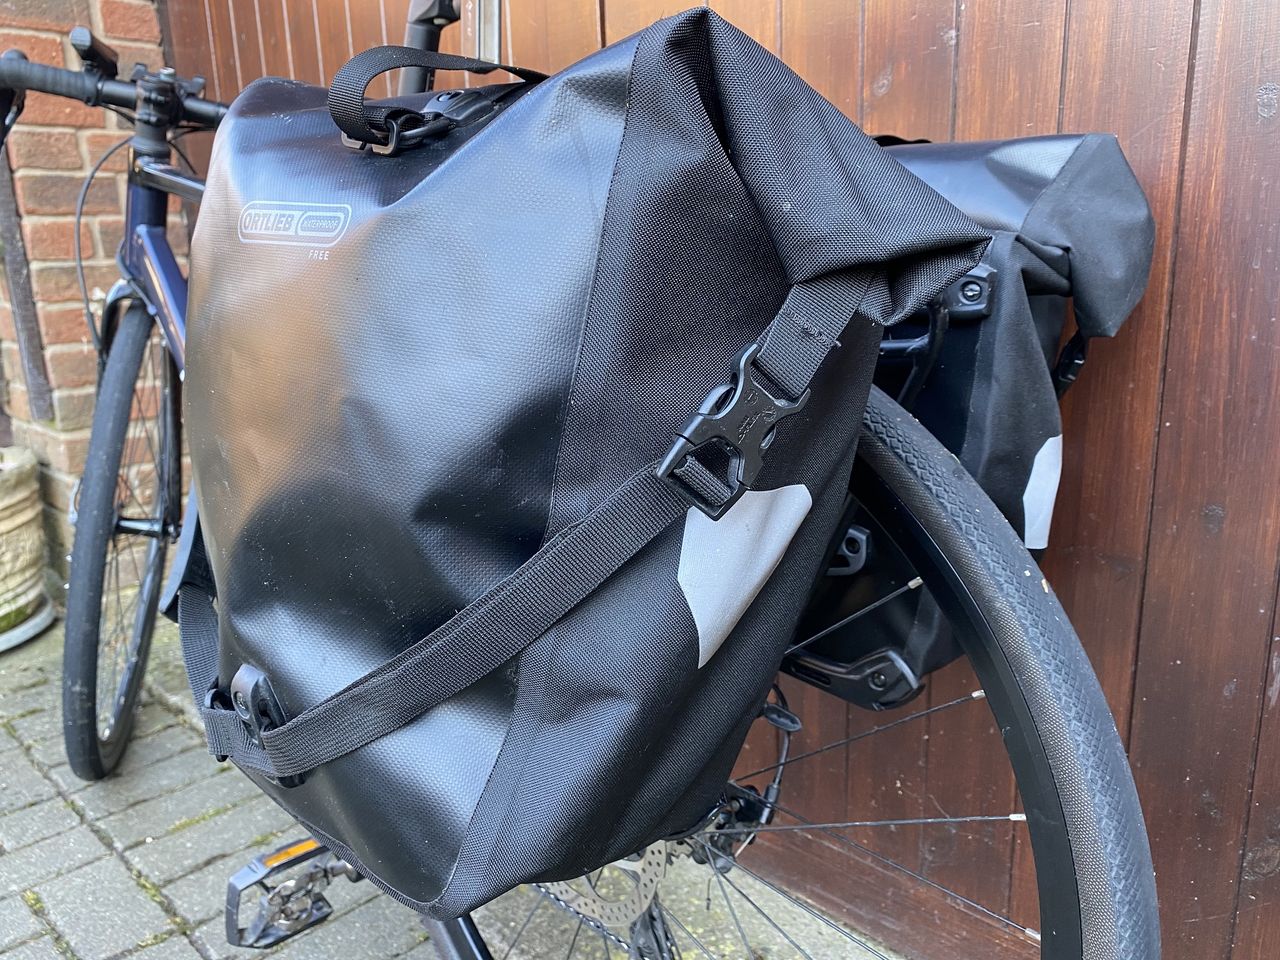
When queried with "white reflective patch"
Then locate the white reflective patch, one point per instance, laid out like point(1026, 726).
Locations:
point(724, 563)
point(1041, 492)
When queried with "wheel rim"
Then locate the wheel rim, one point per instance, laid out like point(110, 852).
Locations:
point(748, 910)
point(136, 552)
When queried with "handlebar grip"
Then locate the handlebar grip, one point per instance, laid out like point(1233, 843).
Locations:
point(16, 73)
point(205, 112)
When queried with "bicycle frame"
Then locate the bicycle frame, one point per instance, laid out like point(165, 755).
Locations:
point(150, 274)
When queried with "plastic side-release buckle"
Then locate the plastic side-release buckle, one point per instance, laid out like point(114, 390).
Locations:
point(740, 419)
point(255, 703)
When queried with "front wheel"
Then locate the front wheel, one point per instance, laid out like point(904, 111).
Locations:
point(126, 514)
point(837, 840)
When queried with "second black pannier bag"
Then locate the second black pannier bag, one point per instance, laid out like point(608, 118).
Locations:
point(518, 437)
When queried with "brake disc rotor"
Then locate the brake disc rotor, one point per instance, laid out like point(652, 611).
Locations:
point(598, 896)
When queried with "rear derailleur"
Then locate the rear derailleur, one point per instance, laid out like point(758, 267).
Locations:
point(290, 906)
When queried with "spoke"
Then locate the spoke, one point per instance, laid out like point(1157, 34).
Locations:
point(967, 698)
point(913, 584)
point(608, 954)
point(524, 926)
point(688, 933)
point(768, 919)
point(574, 942)
point(746, 942)
point(909, 872)
point(905, 822)
point(809, 910)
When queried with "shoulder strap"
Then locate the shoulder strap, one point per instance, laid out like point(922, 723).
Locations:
point(569, 568)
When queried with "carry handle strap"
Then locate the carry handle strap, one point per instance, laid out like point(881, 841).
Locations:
point(367, 123)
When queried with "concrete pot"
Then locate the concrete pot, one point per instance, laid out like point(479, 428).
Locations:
point(25, 609)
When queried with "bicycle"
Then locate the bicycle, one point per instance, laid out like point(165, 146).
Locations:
point(935, 533)
point(127, 509)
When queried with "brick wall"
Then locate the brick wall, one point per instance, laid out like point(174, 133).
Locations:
point(50, 152)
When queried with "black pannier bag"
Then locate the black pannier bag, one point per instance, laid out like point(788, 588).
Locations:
point(1069, 223)
point(499, 570)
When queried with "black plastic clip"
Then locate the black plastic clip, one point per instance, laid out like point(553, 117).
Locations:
point(740, 419)
point(256, 705)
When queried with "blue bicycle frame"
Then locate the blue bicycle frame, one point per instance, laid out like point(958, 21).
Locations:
point(150, 274)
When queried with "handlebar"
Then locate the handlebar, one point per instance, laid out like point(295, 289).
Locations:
point(17, 73)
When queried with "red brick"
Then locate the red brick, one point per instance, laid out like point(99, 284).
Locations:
point(39, 48)
point(98, 142)
point(54, 283)
point(71, 365)
point(11, 359)
point(16, 404)
point(64, 452)
point(177, 233)
point(145, 53)
point(110, 233)
point(7, 331)
point(55, 193)
point(73, 408)
point(55, 239)
point(43, 149)
point(45, 14)
point(130, 20)
point(46, 110)
point(62, 323)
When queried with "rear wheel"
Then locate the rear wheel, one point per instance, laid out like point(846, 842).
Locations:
point(764, 878)
point(126, 515)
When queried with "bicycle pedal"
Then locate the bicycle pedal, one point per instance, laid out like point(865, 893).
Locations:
point(288, 907)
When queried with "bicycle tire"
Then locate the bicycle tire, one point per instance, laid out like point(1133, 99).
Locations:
point(1093, 862)
point(91, 754)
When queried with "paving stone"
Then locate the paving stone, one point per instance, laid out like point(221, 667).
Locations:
point(201, 895)
point(21, 784)
point(118, 791)
point(180, 853)
point(7, 743)
point(42, 724)
point(212, 938)
point(17, 923)
point(42, 949)
point(17, 703)
point(143, 749)
point(175, 948)
point(36, 823)
point(27, 867)
point(162, 815)
point(100, 910)
point(380, 928)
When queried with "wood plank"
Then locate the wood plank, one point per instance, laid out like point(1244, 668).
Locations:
point(822, 41)
point(756, 18)
point(1257, 928)
point(1127, 75)
point(1009, 68)
point(222, 40)
point(622, 18)
point(908, 67)
point(1215, 531)
point(333, 35)
point(548, 35)
point(277, 60)
point(303, 39)
point(244, 25)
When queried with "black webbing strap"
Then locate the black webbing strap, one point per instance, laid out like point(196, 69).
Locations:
point(497, 626)
point(366, 122)
point(484, 635)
